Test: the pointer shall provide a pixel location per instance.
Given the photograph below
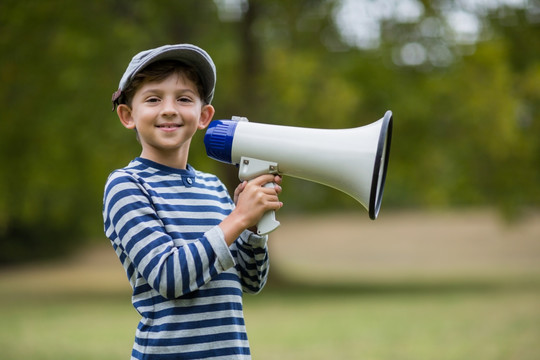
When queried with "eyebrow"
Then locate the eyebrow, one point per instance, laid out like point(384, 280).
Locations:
point(158, 90)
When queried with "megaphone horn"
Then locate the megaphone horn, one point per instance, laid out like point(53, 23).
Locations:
point(354, 161)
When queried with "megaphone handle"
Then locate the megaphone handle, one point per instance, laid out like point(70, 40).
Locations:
point(249, 168)
point(268, 222)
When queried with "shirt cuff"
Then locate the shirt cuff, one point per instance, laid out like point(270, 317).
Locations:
point(216, 237)
point(253, 239)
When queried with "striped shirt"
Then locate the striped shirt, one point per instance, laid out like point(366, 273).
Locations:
point(187, 283)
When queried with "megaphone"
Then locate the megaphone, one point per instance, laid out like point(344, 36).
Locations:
point(354, 161)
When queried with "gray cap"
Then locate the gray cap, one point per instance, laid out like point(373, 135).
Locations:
point(190, 54)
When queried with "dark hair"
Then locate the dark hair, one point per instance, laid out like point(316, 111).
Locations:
point(158, 71)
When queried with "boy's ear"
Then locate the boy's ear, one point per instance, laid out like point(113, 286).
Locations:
point(207, 113)
point(124, 114)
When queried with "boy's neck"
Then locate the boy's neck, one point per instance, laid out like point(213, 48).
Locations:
point(170, 159)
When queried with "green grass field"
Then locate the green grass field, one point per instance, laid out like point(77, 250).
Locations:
point(80, 308)
point(454, 323)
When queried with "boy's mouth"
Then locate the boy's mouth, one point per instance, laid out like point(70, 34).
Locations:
point(168, 126)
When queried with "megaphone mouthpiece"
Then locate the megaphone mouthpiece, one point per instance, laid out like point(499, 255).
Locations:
point(218, 140)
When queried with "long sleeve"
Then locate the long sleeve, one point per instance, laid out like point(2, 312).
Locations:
point(171, 266)
point(251, 253)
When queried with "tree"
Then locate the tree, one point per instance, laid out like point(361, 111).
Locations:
point(466, 130)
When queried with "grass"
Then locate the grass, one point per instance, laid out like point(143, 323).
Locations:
point(80, 308)
point(66, 328)
point(490, 323)
point(484, 321)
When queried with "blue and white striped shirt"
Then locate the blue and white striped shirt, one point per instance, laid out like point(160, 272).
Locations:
point(187, 284)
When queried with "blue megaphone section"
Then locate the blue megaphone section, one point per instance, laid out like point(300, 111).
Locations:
point(218, 139)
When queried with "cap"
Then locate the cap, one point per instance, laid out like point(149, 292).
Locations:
point(187, 53)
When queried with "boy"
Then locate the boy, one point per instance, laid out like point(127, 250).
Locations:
point(181, 239)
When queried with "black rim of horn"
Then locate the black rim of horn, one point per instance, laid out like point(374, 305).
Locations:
point(383, 147)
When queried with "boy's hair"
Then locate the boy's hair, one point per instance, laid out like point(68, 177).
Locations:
point(158, 71)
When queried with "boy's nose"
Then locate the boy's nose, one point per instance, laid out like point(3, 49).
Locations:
point(169, 108)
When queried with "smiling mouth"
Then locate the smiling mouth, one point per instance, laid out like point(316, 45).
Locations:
point(168, 126)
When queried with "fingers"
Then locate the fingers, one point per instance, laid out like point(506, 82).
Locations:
point(265, 181)
point(256, 190)
point(269, 196)
point(238, 190)
point(267, 178)
point(260, 181)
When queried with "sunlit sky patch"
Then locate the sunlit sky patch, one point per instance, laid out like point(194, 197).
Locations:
point(359, 20)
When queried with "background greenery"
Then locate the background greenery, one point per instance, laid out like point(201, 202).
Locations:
point(467, 113)
point(466, 134)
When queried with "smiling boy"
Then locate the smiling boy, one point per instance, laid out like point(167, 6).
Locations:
point(181, 239)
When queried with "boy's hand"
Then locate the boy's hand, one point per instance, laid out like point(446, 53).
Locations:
point(276, 179)
point(252, 200)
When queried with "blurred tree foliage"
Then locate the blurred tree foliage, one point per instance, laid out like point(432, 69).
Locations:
point(466, 130)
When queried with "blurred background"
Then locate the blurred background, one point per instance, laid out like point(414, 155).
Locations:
point(450, 270)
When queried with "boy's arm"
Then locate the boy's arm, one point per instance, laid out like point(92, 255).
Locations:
point(133, 225)
point(250, 250)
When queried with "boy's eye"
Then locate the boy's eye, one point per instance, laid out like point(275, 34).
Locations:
point(184, 99)
point(152, 99)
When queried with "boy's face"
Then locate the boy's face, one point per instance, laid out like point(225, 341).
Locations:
point(166, 115)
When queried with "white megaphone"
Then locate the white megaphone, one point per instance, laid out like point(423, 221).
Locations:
point(353, 161)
